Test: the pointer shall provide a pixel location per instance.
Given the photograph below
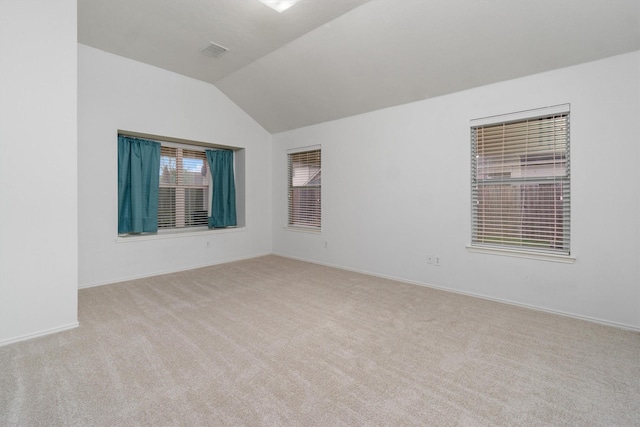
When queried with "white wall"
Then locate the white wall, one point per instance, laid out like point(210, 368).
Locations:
point(396, 189)
point(117, 93)
point(38, 142)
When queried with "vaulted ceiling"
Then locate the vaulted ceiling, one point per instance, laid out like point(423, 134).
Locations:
point(326, 59)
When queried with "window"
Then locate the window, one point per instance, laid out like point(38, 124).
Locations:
point(183, 200)
point(305, 189)
point(520, 182)
point(175, 185)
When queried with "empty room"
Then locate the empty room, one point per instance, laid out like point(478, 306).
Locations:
point(319, 212)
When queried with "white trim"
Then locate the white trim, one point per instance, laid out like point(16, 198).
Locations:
point(39, 334)
point(177, 233)
point(480, 296)
point(540, 256)
point(522, 115)
point(301, 229)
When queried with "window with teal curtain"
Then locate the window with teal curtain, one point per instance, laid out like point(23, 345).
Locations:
point(223, 201)
point(138, 182)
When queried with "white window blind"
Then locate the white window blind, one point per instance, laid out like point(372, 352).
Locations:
point(520, 184)
point(305, 188)
point(184, 188)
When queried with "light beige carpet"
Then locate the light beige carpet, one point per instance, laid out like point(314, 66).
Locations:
point(273, 341)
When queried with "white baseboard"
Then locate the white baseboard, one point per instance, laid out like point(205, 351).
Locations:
point(475, 295)
point(39, 334)
point(169, 271)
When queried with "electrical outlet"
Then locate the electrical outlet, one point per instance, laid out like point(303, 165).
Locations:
point(437, 260)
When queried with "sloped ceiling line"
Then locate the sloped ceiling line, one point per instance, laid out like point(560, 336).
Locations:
point(327, 59)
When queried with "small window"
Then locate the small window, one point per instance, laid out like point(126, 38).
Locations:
point(520, 183)
point(305, 189)
point(183, 200)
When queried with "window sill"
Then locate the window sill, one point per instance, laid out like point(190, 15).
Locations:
point(303, 229)
point(540, 256)
point(174, 234)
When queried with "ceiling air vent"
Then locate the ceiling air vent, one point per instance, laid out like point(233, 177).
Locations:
point(214, 50)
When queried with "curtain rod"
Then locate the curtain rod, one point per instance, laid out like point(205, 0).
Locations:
point(160, 138)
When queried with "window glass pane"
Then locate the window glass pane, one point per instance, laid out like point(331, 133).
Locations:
point(167, 207)
point(304, 203)
point(527, 215)
point(194, 166)
point(195, 206)
point(168, 165)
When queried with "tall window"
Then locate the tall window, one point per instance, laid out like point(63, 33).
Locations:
point(184, 187)
point(305, 188)
point(520, 183)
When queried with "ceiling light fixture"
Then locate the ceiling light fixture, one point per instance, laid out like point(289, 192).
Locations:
point(279, 5)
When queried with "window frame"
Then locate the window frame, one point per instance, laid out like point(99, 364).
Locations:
point(521, 182)
point(316, 209)
point(239, 173)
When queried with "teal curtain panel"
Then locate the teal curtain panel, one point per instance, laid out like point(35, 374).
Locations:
point(138, 185)
point(223, 202)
